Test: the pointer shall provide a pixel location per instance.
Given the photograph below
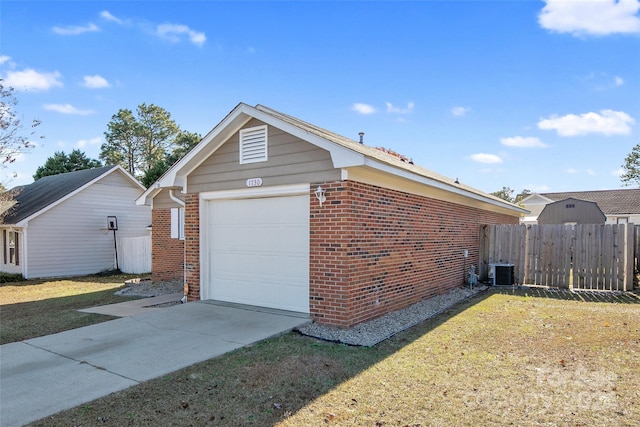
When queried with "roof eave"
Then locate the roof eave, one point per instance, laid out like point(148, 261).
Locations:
point(176, 176)
point(452, 188)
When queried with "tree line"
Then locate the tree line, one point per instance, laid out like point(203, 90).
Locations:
point(148, 141)
point(145, 143)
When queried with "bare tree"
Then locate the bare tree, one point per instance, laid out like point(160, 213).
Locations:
point(15, 138)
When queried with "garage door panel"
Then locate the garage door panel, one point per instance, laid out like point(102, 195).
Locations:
point(259, 252)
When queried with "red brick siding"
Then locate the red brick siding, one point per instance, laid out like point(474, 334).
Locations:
point(375, 250)
point(167, 254)
point(192, 241)
point(372, 250)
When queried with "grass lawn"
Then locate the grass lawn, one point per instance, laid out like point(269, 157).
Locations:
point(504, 357)
point(34, 308)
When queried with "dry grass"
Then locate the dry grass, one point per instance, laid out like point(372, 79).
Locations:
point(35, 308)
point(501, 358)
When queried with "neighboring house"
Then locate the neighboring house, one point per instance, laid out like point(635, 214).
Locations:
point(283, 214)
point(619, 206)
point(58, 224)
point(571, 211)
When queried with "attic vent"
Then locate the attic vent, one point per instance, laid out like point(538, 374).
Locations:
point(253, 145)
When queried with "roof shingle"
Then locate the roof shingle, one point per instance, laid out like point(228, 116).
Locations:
point(34, 197)
point(611, 202)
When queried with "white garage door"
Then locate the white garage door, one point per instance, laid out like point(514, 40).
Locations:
point(259, 252)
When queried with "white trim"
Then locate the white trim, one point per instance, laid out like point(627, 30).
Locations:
point(383, 167)
point(175, 199)
point(341, 156)
point(25, 258)
point(253, 193)
point(248, 193)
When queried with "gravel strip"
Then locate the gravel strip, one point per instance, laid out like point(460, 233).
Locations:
point(146, 288)
point(370, 333)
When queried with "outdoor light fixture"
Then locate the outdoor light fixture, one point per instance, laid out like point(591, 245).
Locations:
point(320, 195)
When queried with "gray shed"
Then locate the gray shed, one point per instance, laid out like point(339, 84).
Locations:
point(572, 211)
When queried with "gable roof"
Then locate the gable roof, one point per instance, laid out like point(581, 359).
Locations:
point(587, 212)
point(345, 153)
point(611, 202)
point(47, 191)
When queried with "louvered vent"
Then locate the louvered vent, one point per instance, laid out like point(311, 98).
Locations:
point(253, 145)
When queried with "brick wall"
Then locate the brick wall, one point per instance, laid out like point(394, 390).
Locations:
point(372, 250)
point(375, 250)
point(167, 254)
point(192, 241)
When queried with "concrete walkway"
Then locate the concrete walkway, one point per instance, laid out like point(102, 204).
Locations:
point(137, 306)
point(43, 376)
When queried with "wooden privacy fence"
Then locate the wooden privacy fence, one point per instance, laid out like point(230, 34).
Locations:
point(134, 254)
point(589, 256)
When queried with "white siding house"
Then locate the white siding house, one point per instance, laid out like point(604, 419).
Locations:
point(58, 227)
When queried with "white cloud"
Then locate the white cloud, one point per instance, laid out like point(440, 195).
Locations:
point(363, 108)
point(537, 188)
point(67, 109)
point(95, 82)
point(85, 142)
point(460, 111)
point(486, 158)
point(522, 142)
point(608, 122)
point(397, 110)
point(592, 17)
point(106, 15)
point(173, 33)
point(74, 30)
point(571, 171)
point(618, 81)
point(618, 172)
point(30, 79)
point(4, 58)
point(590, 172)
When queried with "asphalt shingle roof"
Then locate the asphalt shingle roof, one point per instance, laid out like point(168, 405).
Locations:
point(611, 202)
point(373, 152)
point(34, 197)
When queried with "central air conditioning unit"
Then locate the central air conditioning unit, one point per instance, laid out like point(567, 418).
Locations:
point(501, 274)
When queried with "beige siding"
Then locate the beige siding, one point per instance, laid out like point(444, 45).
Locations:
point(571, 211)
point(70, 238)
point(291, 161)
point(162, 199)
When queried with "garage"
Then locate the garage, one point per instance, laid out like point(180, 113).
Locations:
point(257, 248)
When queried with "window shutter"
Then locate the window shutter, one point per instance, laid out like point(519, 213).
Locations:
point(253, 145)
point(17, 248)
point(175, 223)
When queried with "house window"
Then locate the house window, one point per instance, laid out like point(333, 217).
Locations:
point(570, 205)
point(177, 223)
point(253, 145)
point(622, 220)
point(11, 247)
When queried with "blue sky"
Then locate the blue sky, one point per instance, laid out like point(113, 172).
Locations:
point(525, 94)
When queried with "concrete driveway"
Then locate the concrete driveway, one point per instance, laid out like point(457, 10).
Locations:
point(43, 376)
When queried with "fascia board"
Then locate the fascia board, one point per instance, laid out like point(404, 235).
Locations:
point(383, 167)
point(146, 197)
point(531, 199)
point(177, 175)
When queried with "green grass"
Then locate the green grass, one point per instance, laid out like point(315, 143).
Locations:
point(34, 308)
point(500, 358)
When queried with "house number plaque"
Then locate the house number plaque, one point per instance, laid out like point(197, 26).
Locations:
point(254, 182)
